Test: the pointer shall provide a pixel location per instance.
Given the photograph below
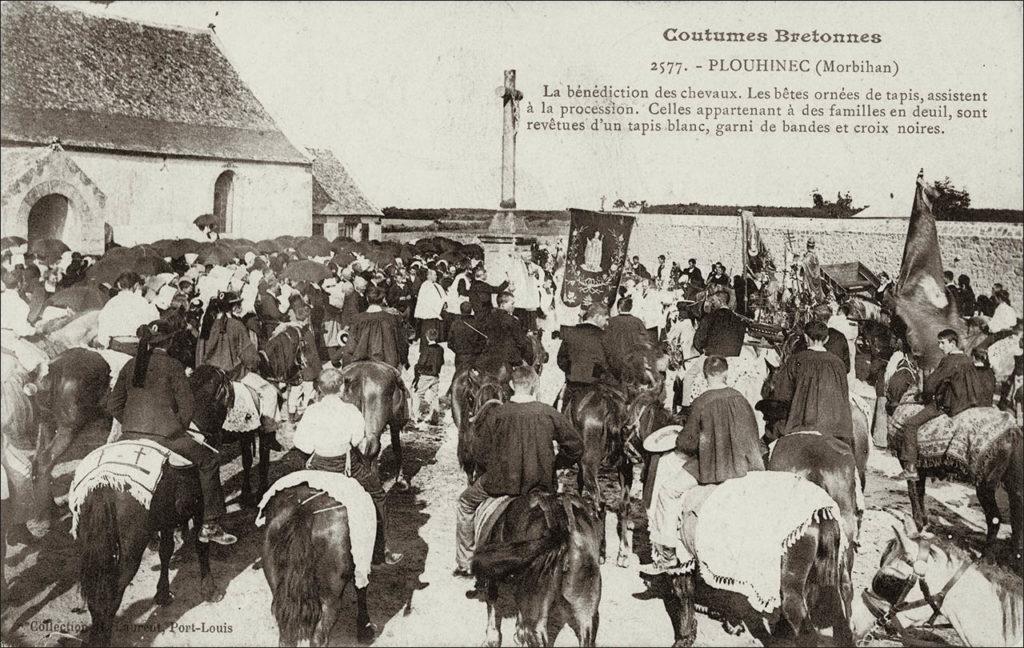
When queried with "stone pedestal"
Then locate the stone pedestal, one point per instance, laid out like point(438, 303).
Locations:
point(499, 244)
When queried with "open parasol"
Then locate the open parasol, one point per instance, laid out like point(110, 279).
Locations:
point(215, 253)
point(205, 220)
point(79, 298)
point(305, 270)
point(174, 248)
point(269, 246)
point(313, 246)
point(11, 241)
point(48, 249)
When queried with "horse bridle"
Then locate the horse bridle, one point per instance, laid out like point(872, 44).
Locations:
point(890, 618)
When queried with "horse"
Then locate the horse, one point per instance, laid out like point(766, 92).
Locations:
point(215, 396)
point(76, 330)
point(811, 568)
point(544, 548)
point(376, 388)
point(540, 354)
point(983, 602)
point(69, 398)
point(1003, 463)
point(471, 391)
point(600, 416)
point(308, 563)
point(113, 531)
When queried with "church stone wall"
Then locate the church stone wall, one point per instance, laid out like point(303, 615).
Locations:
point(150, 198)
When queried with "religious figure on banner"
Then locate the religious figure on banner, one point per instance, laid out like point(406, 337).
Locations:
point(811, 269)
point(594, 253)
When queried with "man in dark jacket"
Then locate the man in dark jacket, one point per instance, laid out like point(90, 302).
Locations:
point(515, 450)
point(268, 311)
point(152, 400)
point(721, 331)
point(836, 342)
point(583, 355)
point(507, 345)
point(377, 334)
point(466, 340)
point(625, 332)
point(954, 386)
point(694, 273)
point(480, 294)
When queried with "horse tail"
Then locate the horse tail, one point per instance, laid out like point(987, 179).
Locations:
point(99, 546)
point(296, 605)
point(828, 558)
point(535, 557)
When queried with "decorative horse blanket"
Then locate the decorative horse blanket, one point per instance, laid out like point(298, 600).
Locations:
point(362, 516)
point(131, 466)
point(963, 444)
point(744, 527)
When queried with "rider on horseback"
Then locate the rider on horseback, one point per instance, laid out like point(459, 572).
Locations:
point(515, 450)
point(123, 314)
point(508, 345)
point(583, 355)
point(328, 432)
point(225, 342)
point(152, 400)
point(14, 327)
point(953, 387)
point(719, 442)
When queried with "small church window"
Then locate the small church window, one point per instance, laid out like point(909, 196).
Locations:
point(223, 202)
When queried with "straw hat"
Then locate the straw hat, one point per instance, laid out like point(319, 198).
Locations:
point(663, 439)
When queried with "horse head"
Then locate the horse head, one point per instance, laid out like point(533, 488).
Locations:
point(214, 397)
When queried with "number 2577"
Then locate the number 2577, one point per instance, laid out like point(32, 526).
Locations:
point(667, 67)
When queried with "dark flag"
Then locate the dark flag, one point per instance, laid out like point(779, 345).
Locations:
point(920, 293)
point(594, 256)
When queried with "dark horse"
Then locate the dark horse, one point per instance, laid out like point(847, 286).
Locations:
point(604, 415)
point(376, 388)
point(307, 560)
point(545, 548)
point(214, 398)
point(113, 531)
point(471, 391)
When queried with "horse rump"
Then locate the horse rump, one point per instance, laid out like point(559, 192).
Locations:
point(531, 538)
point(100, 554)
point(289, 554)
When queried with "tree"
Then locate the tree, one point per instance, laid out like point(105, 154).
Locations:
point(842, 207)
point(951, 202)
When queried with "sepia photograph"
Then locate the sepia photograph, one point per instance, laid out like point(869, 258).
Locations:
point(511, 323)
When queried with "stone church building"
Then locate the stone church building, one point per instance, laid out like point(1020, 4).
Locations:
point(111, 128)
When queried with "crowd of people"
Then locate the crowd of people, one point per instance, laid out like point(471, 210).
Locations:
point(154, 329)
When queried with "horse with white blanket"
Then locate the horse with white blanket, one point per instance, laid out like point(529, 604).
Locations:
point(766, 547)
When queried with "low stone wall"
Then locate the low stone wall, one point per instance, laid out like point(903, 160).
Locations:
point(986, 252)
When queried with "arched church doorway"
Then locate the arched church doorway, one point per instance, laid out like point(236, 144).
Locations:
point(223, 201)
point(47, 217)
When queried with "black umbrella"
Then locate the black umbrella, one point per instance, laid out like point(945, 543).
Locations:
point(205, 220)
point(215, 253)
point(269, 246)
point(314, 246)
point(174, 248)
point(306, 270)
point(49, 249)
point(11, 241)
point(79, 298)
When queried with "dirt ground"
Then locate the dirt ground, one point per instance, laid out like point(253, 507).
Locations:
point(416, 602)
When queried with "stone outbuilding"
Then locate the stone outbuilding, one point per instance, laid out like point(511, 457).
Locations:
point(339, 207)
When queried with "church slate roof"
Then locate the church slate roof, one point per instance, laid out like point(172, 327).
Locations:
point(114, 84)
point(334, 191)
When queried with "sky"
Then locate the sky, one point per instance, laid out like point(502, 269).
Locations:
point(405, 95)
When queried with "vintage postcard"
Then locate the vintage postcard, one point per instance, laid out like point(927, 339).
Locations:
point(536, 323)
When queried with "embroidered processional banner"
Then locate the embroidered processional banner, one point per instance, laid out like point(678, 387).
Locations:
point(594, 256)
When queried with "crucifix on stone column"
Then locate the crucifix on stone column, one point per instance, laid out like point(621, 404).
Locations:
point(499, 242)
point(510, 99)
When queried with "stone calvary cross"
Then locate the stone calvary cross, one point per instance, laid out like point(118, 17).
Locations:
point(499, 243)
